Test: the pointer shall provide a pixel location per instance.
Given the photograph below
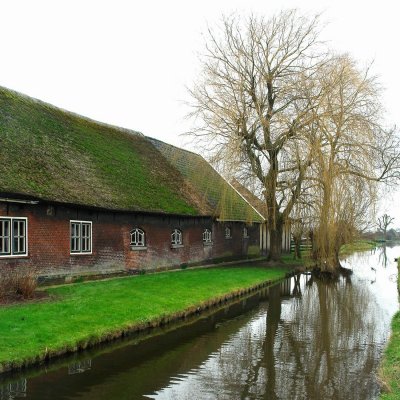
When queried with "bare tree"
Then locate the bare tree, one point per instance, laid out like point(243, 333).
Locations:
point(352, 153)
point(306, 126)
point(383, 224)
point(250, 107)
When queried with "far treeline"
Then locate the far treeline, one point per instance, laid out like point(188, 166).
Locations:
point(299, 124)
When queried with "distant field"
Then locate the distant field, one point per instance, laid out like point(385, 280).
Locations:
point(359, 245)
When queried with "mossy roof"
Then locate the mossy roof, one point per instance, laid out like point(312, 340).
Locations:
point(256, 202)
point(227, 204)
point(51, 154)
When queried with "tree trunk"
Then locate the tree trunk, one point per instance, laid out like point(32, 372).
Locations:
point(275, 234)
point(326, 246)
point(326, 259)
point(274, 217)
point(297, 246)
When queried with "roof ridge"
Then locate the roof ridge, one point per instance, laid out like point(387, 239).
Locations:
point(176, 147)
point(72, 113)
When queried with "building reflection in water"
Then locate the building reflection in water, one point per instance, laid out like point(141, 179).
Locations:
point(79, 367)
point(13, 390)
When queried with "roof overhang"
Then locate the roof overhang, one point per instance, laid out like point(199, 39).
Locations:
point(18, 201)
point(18, 198)
point(239, 220)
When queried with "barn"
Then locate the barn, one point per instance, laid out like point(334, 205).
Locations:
point(78, 196)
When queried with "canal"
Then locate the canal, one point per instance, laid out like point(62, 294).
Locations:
point(300, 339)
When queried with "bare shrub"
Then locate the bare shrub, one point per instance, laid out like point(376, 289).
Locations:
point(17, 283)
point(5, 284)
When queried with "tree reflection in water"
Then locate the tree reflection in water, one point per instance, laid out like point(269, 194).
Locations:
point(383, 260)
point(330, 339)
point(323, 343)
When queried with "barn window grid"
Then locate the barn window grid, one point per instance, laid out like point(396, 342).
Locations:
point(138, 238)
point(176, 237)
point(245, 232)
point(228, 232)
point(207, 236)
point(13, 236)
point(81, 237)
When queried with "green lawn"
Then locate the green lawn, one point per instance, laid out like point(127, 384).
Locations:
point(390, 368)
point(288, 258)
point(87, 313)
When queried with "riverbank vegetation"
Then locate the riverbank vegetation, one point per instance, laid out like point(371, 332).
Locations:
point(17, 284)
point(79, 315)
point(390, 368)
point(304, 258)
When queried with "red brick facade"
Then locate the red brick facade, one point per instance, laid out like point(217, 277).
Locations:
point(49, 246)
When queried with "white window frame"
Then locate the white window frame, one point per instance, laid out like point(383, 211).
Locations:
point(138, 238)
point(228, 232)
point(11, 236)
point(80, 238)
point(207, 236)
point(176, 238)
point(246, 233)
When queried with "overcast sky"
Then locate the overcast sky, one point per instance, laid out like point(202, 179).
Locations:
point(127, 62)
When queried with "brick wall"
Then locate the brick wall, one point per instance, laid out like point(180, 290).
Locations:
point(49, 239)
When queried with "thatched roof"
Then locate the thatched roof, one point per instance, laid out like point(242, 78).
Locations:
point(226, 202)
point(256, 202)
point(51, 154)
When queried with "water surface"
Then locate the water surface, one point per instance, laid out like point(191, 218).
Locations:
point(301, 339)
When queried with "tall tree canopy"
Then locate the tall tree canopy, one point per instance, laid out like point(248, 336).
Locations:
point(352, 152)
point(280, 111)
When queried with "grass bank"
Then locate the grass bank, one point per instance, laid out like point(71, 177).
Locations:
point(83, 314)
point(358, 245)
point(289, 259)
point(390, 367)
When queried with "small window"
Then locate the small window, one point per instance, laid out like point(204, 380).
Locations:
point(13, 236)
point(176, 237)
point(81, 237)
point(138, 238)
point(245, 232)
point(228, 232)
point(207, 236)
